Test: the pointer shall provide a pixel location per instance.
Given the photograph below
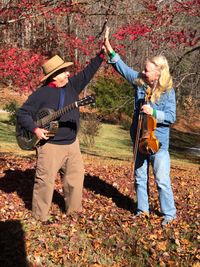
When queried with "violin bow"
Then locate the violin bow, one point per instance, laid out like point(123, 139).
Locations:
point(139, 126)
point(102, 30)
point(136, 144)
point(106, 20)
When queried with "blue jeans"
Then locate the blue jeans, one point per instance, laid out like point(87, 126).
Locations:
point(161, 169)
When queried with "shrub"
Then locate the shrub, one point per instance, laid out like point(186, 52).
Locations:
point(125, 121)
point(89, 128)
point(114, 97)
point(12, 108)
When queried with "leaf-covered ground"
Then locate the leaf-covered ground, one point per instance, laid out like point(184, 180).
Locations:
point(105, 234)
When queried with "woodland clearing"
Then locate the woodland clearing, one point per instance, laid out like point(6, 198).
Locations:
point(105, 234)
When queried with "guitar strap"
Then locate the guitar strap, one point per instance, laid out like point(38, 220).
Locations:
point(62, 98)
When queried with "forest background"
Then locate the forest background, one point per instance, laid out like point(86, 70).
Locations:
point(32, 32)
point(105, 235)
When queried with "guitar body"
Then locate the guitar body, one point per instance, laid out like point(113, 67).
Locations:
point(28, 140)
point(46, 118)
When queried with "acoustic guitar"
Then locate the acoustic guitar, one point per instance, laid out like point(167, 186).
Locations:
point(46, 118)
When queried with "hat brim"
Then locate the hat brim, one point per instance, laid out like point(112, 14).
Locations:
point(64, 65)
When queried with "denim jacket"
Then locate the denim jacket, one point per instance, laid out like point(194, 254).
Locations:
point(165, 107)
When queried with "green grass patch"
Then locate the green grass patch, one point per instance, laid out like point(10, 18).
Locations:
point(7, 133)
point(4, 117)
point(181, 139)
point(185, 146)
point(8, 143)
point(112, 141)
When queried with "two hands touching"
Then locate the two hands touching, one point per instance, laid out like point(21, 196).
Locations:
point(108, 49)
point(106, 43)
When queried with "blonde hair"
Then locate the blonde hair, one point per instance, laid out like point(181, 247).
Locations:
point(165, 82)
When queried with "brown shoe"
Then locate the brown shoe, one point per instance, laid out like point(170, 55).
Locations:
point(50, 222)
point(141, 214)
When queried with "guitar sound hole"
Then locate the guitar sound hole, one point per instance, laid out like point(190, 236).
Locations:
point(43, 113)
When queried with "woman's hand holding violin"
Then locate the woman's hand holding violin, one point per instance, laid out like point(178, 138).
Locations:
point(147, 109)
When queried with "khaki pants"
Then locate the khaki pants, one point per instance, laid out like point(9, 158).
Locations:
point(51, 159)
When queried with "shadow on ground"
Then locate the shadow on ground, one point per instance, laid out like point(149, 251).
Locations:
point(98, 186)
point(22, 183)
point(12, 246)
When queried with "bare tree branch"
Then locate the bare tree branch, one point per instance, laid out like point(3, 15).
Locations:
point(185, 76)
point(185, 54)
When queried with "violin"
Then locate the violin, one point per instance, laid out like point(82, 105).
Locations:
point(148, 143)
point(145, 141)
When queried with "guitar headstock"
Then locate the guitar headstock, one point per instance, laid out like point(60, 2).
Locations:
point(90, 99)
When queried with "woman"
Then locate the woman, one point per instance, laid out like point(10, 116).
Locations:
point(162, 106)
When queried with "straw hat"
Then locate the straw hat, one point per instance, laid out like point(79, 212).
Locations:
point(52, 65)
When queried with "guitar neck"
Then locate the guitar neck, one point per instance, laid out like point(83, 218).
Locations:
point(51, 117)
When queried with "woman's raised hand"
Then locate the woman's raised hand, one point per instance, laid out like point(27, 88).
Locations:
point(107, 44)
point(107, 31)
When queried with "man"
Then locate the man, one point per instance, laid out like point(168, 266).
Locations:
point(62, 151)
